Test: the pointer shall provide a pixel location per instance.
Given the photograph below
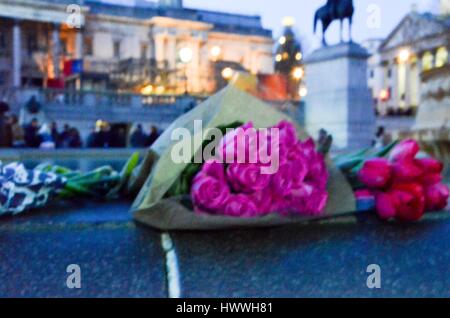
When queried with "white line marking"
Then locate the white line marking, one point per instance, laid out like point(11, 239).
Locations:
point(173, 274)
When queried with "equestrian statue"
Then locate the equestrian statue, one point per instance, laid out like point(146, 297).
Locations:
point(335, 10)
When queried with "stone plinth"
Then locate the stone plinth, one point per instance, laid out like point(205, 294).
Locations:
point(338, 98)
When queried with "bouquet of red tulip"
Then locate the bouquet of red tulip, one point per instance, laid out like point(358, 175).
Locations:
point(401, 185)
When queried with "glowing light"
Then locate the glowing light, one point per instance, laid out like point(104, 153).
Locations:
point(303, 91)
point(282, 40)
point(160, 90)
point(298, 56)
point(278, 57)
point(285, 56)
point(216, 51)
point(185, 55)
point(384, 94)
point(288, 21)
point(99, 123)
point(227, 73)
point(147, 90)
point(298, 73)
point(404, 55)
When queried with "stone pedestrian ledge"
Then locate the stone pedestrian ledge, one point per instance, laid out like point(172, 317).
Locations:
point(9, 155)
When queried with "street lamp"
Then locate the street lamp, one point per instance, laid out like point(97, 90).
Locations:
point(298, 73)
point(185, 55)
point(404, 55)
point(227, 73)
point(215, 52)
point(303, 91)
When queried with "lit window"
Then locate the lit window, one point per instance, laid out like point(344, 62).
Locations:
point(441, 57)
point(427, 61)
point(88, 46)
point(144, 49)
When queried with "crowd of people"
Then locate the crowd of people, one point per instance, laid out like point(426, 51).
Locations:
point(34, 134)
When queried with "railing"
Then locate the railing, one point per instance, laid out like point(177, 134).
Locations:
point(71, 98)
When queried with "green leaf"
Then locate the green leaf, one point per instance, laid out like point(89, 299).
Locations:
point(182, 185)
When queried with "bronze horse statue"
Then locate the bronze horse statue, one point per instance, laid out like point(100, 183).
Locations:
point(335, 10)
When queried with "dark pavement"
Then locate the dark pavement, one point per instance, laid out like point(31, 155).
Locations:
point(121, 259)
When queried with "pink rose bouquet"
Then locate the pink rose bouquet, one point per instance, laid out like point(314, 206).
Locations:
point(238, 186)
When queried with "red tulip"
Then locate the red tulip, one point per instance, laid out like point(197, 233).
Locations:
point(405, 201)
point(375, 173)
point(436, 197)
point(430, 165)
point(431, 179)
point(386, 205)
point(405, 150)
point(406, 171)
point(410, 203)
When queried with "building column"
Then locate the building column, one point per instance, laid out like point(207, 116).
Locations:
point(56, 50)
point(17, 55)
point(172, 53)
point(408, 80)
point(160, 48)
point(196, 73)
point(152, 48)
point(79, 44)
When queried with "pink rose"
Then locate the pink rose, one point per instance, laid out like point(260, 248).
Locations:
point(317, 171)
point(287, 133)
point(227, 148)
point(305, 199)
point(209, 194)
point(312, 204)
point(308, 149)
point(284, 179)
point(241, 205)
point(264, 200)
point(247, 178)
point(436, 197)
point(405, 150)
point(214, 168)
point(376, 173)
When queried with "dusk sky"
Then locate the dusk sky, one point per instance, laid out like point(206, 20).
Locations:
point(366, 24)
point(272, 12)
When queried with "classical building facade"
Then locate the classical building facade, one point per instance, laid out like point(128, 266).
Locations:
point(420, 43)
point(144, 46)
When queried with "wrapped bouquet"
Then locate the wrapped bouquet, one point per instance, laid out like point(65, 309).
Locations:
point(248, 165)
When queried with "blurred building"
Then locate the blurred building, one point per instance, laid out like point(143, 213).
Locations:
point(289, 61)
point(420, 43)
point(150, 47)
